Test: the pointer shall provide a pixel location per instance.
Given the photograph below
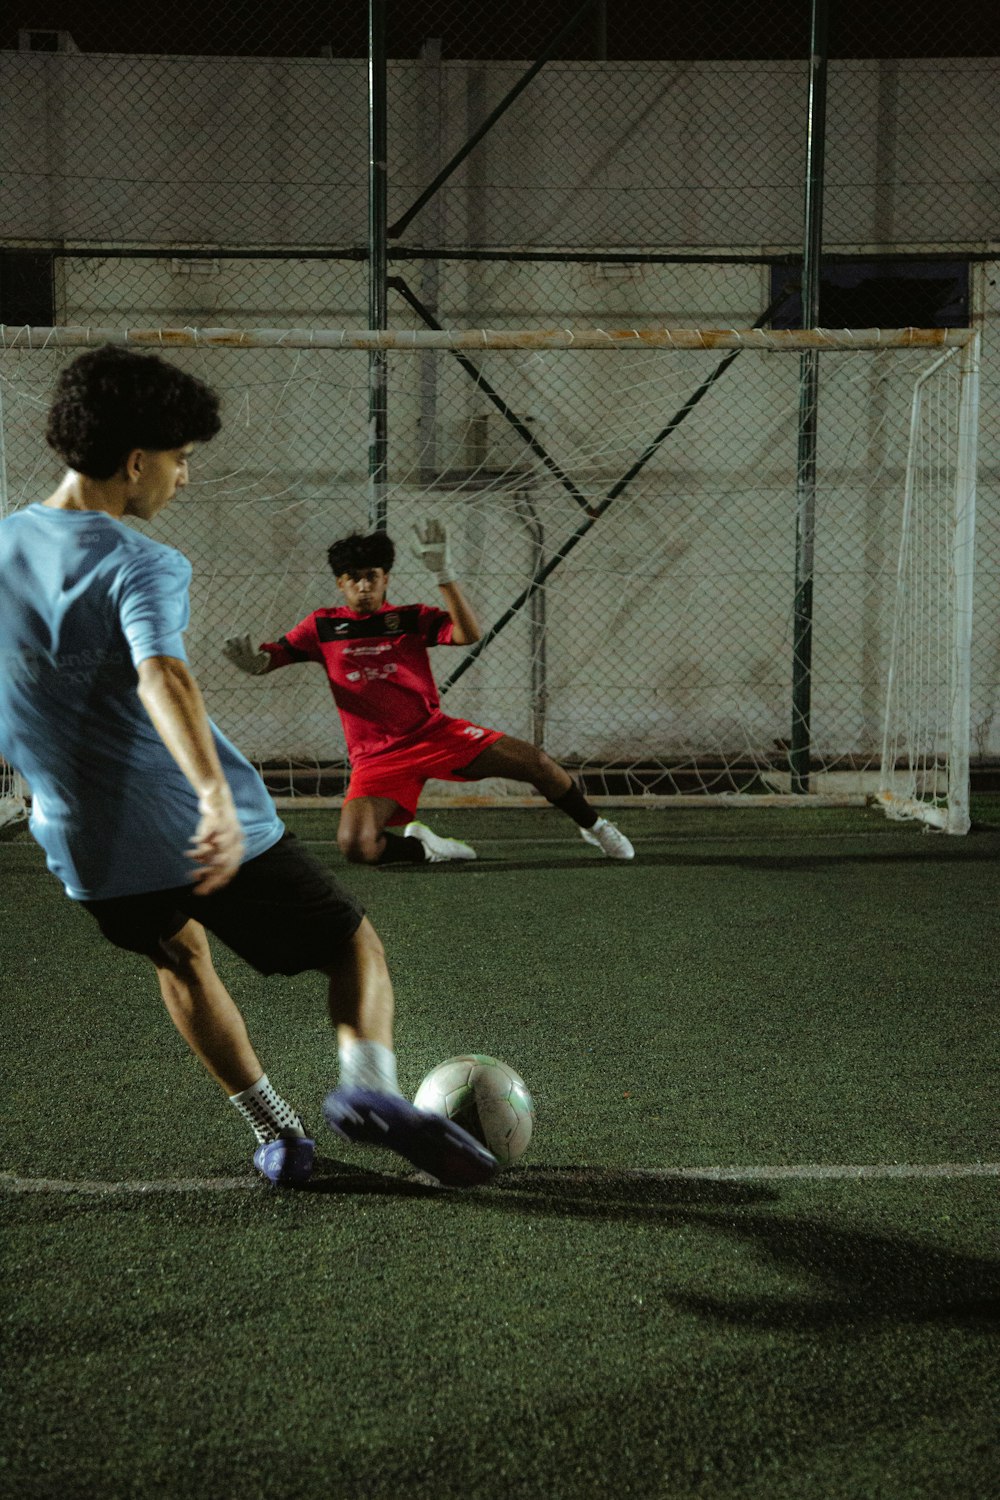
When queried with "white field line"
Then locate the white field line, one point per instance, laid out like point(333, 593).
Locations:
point(11, 1183)
point(817, 1172)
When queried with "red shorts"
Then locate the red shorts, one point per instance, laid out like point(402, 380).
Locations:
point(399, 775)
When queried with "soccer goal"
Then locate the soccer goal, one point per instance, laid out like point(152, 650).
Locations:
point(622, 507)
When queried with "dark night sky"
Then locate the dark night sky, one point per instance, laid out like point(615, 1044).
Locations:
point(639, 29)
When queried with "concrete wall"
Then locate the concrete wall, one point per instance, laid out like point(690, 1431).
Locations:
point(247, 151)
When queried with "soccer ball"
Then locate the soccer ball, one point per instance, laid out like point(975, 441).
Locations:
point(487, 1098)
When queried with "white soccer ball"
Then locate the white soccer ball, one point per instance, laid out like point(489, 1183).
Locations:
point(487, 1098)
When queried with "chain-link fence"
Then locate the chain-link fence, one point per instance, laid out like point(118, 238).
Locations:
point(576, 165)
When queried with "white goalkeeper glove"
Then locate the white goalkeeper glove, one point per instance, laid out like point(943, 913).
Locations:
point(431, 548)
point(245, 656)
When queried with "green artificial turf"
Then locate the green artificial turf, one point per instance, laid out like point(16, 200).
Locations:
point(760, 988)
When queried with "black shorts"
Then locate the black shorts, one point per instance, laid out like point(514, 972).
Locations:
point(282, 912)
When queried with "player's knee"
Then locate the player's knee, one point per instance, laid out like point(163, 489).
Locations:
point(358, 847)
point(183, 952)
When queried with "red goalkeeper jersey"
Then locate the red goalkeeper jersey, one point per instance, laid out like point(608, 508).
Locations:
point(378, 669)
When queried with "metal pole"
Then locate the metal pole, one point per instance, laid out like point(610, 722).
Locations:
point(601, 31)
point(442, 177)
point(805, 472)
point(594, 512)
point(537, 624)
point(430, 144)
point(378, 359)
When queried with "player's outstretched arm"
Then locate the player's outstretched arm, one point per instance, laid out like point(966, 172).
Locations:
point(431, 547)
point(243, 654)
point(173, 700)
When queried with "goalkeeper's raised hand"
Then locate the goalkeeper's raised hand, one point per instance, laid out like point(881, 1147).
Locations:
point(245, 656)
point(431, 547)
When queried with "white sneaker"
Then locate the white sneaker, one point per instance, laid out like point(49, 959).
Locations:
point(436, 847)
point(609, 839)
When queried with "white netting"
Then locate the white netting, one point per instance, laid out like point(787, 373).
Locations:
point(656, 657)
point(925, 762)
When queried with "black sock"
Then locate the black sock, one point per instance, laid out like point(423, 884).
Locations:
point(576, 806)
point(401, 849)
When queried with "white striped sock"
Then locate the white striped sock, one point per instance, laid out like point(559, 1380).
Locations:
point(267, 1114)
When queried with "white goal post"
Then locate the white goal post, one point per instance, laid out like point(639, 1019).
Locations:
point(621, 504)
point(925, 753)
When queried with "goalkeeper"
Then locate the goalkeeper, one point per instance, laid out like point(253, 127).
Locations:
point(375, 655)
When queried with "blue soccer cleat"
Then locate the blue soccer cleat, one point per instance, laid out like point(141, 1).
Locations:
point(287, 1162)
point(429, 1142)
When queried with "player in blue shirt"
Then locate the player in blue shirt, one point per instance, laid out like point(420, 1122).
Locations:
point(151, 819)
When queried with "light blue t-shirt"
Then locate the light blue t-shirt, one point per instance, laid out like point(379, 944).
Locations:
point(83, 600)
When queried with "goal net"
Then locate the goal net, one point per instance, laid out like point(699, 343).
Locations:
point(622, 508)
point(925, 755)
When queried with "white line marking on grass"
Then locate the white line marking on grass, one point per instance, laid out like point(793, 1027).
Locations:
point(814, 1172)
point(11, 1183)
point(817, 1172)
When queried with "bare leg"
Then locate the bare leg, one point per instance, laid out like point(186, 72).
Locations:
point(361, 1000)
point(360, 836)
point(518, 761)
point(203, 1010)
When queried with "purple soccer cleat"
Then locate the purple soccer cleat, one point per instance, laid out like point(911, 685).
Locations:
point(429, 1142)
point(287, 1161)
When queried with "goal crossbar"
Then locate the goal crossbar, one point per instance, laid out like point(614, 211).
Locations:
point(488, 338)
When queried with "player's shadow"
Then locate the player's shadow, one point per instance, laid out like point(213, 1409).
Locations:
point(619, 1195)
point(592, 1193)
point(347, 1179)
point(852, 1279)
point(866, 1279)
point(855, 1278)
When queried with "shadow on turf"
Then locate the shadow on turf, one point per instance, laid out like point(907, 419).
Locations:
point(587, 1192)
point(865, 1278)
point(856, 1278)
point(344, 1178)
point(868, 1279)
point(851, 1280)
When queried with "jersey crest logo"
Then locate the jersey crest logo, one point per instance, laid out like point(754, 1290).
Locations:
point(391, 622)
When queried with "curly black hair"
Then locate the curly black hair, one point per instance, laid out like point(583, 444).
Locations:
point(111, 400)
point(356, 552)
